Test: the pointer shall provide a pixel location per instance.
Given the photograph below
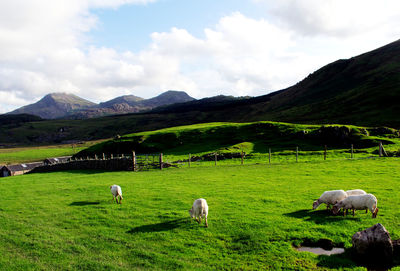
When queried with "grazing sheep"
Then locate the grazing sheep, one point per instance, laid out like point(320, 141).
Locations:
point(358, 202)
point(330, 198)
point(199, 210)
point(116, 192)
point(355, 192)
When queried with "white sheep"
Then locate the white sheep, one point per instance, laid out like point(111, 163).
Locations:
point(330, 198)
point(355, 192)
point(199, 210)
point(358, 202)
point(116, 192)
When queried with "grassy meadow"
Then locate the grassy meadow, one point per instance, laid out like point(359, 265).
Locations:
point(257, 213)
point(33, 154)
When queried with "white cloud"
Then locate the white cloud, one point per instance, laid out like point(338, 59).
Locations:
point(45, 49)
point(339, 18)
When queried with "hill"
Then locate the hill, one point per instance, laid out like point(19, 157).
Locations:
point(362, 90)
point(252, 137)
point(69, 106)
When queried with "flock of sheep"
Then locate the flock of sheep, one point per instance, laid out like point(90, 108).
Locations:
point(356, 199)
point(199, 209)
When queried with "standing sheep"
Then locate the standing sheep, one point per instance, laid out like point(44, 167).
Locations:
point(359, 202)
point(355, 192)
point(330, 198)
point(116, 192)
point(199, 210)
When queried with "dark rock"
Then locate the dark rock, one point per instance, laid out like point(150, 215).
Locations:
point(373, 246)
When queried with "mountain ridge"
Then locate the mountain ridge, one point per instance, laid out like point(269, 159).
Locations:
point(65, 105)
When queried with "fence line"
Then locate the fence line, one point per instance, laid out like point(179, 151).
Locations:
point(141, 162)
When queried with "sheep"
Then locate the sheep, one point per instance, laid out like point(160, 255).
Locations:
point(358, 202)
point(330, 198)
point(199, 210)
point(355, 192)
point(116, 192)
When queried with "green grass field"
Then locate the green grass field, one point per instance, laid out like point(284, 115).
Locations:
point(33, 154)
point(67, 221)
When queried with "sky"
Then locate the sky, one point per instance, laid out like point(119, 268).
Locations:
point(101, 49)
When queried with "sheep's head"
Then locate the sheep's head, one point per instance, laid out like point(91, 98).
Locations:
point(110, 186)
point(375, 213)
point(335, 209)
point(315, 204)
point(191, 213)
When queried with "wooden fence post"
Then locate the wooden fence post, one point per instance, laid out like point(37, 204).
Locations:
point(215, 158)
point(242, 157)
point(269, 156)
point(351, 151)
point(104, 157)
point(112, 157)
point(380, 149)
point(189, 160)
point(95, 157)
point(161, 161)
point(134, 160)
point(297, 154)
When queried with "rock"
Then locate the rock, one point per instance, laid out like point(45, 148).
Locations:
point(373, 245)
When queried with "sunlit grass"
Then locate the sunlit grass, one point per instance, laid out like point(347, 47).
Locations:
point(66, 220)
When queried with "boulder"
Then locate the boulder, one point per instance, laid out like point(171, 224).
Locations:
point(373, 246)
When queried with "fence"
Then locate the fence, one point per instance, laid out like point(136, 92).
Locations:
point(142, 162)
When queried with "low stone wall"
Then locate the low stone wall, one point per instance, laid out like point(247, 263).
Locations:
point(117, 164)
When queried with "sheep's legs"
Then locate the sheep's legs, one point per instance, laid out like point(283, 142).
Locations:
point(206, 222)
point(199, 219)
point(353, 212)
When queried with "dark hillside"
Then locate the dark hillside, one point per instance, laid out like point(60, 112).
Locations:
point(363, 90)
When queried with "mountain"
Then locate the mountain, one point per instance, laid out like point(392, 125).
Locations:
point(54, 105)
point(62, 105)
point(363, 91)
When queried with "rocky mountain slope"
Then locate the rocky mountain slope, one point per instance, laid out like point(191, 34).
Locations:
point(63, 105)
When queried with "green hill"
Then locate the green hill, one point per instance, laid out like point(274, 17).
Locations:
point(250, 137)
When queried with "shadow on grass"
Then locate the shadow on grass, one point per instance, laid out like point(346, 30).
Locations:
point(84, 203)
point(319, 216)
point(337, 261)
point(163, 226)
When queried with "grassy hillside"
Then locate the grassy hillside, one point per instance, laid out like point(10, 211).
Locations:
point(60, 221)
point(255, 137)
